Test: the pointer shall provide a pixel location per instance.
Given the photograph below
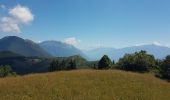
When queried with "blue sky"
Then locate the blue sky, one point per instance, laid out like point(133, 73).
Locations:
point(93, 23)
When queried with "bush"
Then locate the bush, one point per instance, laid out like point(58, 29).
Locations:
point(6, 71)
point(105, 63)
point(138, 61)
point(164, 70)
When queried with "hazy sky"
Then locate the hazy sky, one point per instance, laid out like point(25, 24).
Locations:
point(88, 23)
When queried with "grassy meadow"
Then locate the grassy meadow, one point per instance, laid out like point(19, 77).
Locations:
point(85, 85)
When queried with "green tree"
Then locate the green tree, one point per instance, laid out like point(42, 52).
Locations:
point(113, 62)
point(54, 66)
point(105, 63)
point(63, 65)
point(138, 61)
point(6, 71)
point(164, 70)
point(72, 65)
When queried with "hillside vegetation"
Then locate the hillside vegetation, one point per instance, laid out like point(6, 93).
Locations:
point(85, 85)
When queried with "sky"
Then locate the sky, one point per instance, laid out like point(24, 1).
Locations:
point(88, 24)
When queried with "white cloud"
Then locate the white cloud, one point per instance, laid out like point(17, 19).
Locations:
point(22, 14)
point(18, 16)
point(141, 44)
point(8, 24)
point(157, 43)
point(10, 27)
point(72, 41)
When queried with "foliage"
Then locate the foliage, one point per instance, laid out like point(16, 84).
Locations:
point(138, 61)
point(164, 69)
point(72, 65)
point(55, 65)
point(92, 64)
point(64, 64)
point(113, 62)
point(104, 63)
point(26, 65)
point(6, 71)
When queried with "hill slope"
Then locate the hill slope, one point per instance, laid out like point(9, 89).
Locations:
point(86, 85)
point(21, 46)
point(6, 54)
point(59, 49)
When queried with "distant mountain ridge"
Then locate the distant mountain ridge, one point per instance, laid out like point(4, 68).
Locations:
point(29, 48)
point(21, 46)
point(60, 49)
point(159, 52)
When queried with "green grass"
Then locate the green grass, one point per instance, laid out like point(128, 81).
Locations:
point(85, 85)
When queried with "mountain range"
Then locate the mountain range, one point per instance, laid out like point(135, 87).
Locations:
point(60, 49)
point(22, 46)
point(51, 48)
point(158, 51)
point(29, 48)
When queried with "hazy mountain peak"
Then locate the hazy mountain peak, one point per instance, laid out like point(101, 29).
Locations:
point(152, 44)
point(60, 49)
point(159, 51)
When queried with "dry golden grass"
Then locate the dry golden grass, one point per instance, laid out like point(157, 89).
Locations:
point(85, 85)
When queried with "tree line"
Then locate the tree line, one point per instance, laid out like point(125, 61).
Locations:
point(139, 62)
point(58, 65)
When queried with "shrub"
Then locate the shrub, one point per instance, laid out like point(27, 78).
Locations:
point(105, 63)
point(138, 61)
point(6, 71)
point(164, 70)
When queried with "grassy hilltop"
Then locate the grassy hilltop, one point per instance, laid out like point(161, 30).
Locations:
point(85, 85)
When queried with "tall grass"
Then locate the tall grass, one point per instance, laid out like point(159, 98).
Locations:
point(85, 85)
